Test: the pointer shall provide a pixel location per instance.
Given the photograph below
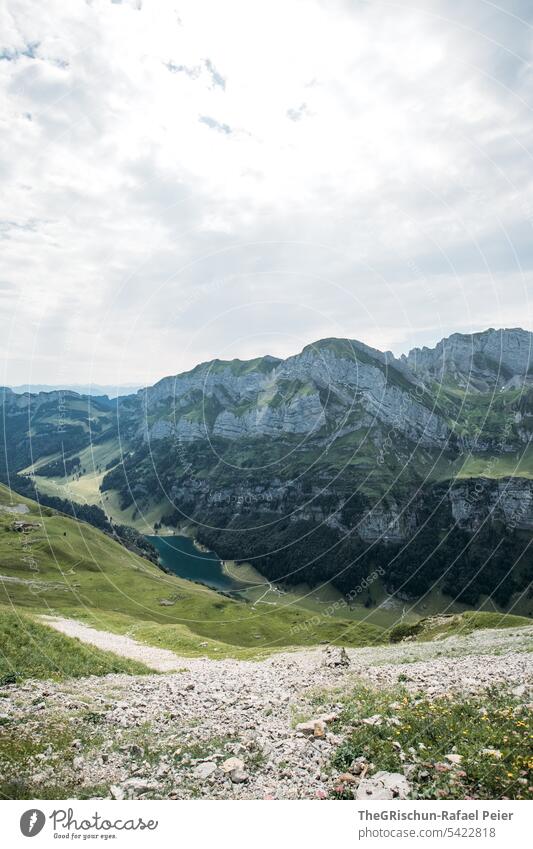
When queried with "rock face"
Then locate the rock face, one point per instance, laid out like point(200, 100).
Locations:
point(236, 377)
point(326, 384)
point(390, 524)
point(334, 385)
point(344, 392)
point(478, 360)
point(509, 500)
point(301, 414)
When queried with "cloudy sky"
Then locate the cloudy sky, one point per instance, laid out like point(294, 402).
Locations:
point(197, 179)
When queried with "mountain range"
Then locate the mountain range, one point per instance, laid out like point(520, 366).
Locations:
point(97, 389)
point(317, 468)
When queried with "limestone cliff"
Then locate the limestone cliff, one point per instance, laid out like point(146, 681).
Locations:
point(478, 361)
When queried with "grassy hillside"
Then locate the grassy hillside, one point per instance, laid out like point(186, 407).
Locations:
point(29, 649)
point(455, 624)
point(67, 567)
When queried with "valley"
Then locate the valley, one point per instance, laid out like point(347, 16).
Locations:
point(120, 681)
point(315, 470)
point(61, 566)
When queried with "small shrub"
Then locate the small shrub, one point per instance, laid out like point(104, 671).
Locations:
point(401, 631)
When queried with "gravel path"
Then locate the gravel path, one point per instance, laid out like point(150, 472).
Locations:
point(160, 660)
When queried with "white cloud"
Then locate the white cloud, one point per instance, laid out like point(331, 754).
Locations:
point(243, 178)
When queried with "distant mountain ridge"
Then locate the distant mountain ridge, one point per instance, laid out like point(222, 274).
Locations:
point(96, 389)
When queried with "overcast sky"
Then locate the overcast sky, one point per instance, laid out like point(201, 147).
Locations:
point(199, 179)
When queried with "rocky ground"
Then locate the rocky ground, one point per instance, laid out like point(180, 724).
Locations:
point(235, 729)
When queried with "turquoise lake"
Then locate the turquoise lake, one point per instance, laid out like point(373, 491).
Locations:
point(179, 555)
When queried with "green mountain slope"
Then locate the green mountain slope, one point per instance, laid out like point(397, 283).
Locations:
point(63, 566)
point(29, 649)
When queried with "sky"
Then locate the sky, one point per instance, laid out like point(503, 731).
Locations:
point(190, 180)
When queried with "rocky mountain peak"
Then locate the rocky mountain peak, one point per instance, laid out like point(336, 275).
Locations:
point(477, 361)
